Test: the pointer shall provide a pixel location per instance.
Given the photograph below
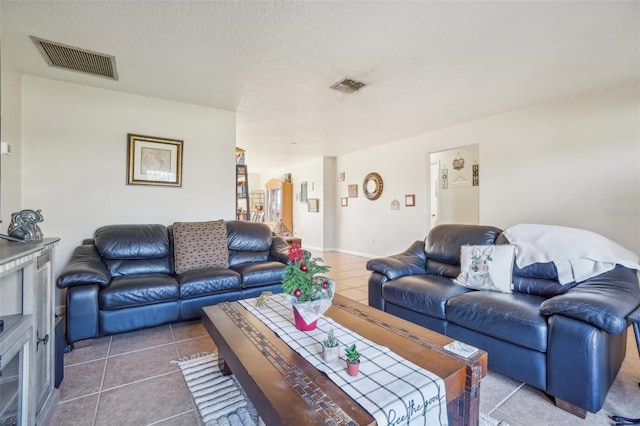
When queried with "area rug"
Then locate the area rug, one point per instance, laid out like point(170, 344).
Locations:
point(221, 400)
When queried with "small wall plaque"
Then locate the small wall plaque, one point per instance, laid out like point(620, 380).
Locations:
point(353, 191)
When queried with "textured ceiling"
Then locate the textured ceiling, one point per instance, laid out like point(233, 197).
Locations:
point(427, 65)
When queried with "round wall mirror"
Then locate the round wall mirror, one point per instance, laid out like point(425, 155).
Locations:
point(372, 186)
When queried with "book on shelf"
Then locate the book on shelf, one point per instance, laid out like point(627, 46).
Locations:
point(461, 349)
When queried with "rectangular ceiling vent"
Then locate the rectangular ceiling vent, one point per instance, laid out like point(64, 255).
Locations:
point(74, 59)
point(348, 86)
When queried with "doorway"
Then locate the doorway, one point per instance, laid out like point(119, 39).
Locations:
point(454, 188)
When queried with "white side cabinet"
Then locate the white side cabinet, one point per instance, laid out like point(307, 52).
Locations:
point(27, 306)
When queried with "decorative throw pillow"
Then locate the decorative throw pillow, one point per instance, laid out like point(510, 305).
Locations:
point(486, 267)
point(198, 245)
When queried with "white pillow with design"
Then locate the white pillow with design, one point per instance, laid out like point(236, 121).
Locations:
point(486, 267)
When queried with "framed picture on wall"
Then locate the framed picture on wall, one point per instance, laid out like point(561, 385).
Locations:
point(312, 205)
point(154, 161)
point(410, 200)
point(353, 191)
point(303, 192)
point(344, 202)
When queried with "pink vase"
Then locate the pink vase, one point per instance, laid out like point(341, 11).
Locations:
point(352, 369)
point(300, 324)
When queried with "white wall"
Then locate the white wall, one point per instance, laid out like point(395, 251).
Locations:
point(11, 180)
point(74, 155)
point(572, 163)
point(371, 228)
point(329, 202)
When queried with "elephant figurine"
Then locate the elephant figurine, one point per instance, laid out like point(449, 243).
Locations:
point(24, 225)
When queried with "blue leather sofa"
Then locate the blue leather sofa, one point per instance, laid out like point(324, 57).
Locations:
point(567, 340)
point(123, 279)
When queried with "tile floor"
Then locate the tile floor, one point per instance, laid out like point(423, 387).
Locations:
point(129, 379)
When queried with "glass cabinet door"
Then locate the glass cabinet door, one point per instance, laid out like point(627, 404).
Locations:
point(273, 201)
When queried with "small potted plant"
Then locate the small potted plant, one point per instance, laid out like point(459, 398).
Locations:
point(353, 360)
point(330, 349)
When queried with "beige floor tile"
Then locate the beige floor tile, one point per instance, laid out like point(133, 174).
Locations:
point(82, 379)
point(350, 268)
point(190, 418)
point(532, 407)
point(141, 339)
point(350, 283)
point(494, 388)
point(355, 273)
point(353, 293)
point(188, 330)
point(78, 412)
point(361, 283)
point(133, 366)
point(99, 348)
point(145, 402)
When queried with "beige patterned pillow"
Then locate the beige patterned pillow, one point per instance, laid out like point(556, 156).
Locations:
point(198, 245)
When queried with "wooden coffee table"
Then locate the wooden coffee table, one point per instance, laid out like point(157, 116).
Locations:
point(286, 389)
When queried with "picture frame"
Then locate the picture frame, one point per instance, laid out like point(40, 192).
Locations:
point(312, 205)
point(410, 200)
point(154, 161)
point(303, 192)
point(344, 202)
point(353, 191)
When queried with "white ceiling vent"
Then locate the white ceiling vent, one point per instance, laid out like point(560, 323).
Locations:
point(348, 86)
point(72, 58)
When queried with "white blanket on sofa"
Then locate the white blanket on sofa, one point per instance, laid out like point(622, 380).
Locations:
point(577, 254)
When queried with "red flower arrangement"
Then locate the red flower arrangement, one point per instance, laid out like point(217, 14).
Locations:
point(301, 279)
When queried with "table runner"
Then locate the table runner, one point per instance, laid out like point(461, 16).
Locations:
point(392, 389)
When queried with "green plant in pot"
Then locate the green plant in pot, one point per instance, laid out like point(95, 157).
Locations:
point(353, 360)
point(330, 348)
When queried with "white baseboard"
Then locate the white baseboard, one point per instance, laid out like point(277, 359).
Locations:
point(353, 253)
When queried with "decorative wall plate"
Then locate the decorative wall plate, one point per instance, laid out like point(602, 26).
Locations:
point(372, 186)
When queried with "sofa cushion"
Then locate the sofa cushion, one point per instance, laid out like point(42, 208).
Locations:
point(202, 282)
point(134, 249)
point(427, 294)
point(486, 267)
point(514, 318)
point(200, 245)
point(442, 244)
point(256, 274)
point(121, 267)
point(138, 290)
point(132, 241)
point(248, 241)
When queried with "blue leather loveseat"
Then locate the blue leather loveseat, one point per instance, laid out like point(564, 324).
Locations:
point(567, 340)
point(124, 278)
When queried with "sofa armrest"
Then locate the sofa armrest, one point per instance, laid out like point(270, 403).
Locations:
point(84, 267)
point(83, 313)
point(604, 301)
point(279, 250)
point(410, 262)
